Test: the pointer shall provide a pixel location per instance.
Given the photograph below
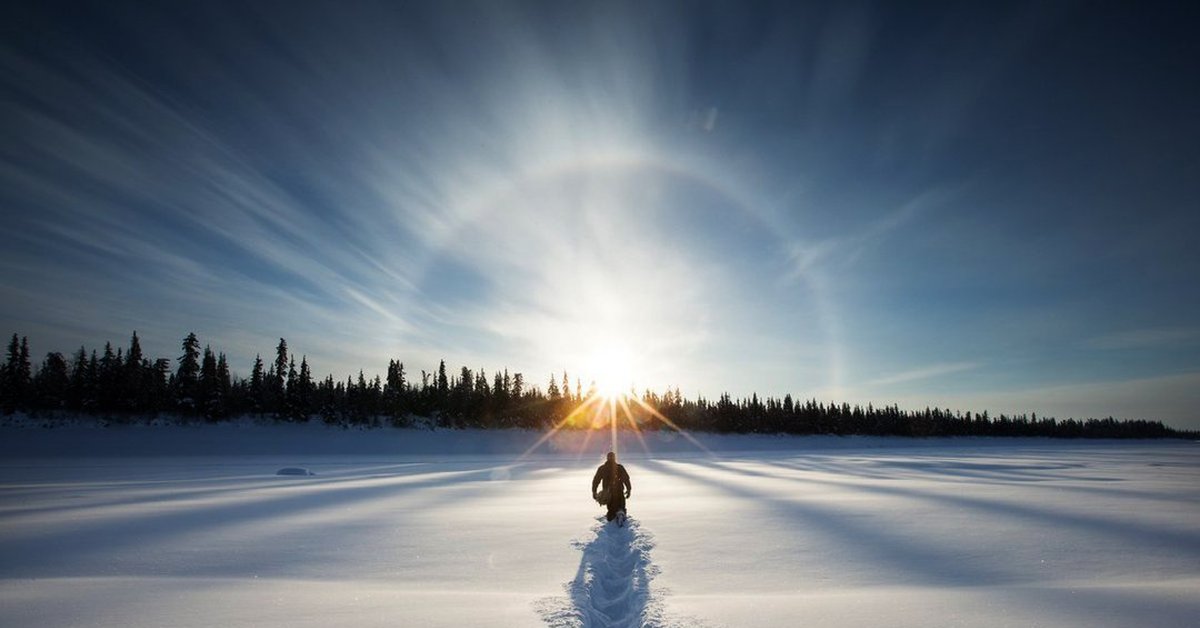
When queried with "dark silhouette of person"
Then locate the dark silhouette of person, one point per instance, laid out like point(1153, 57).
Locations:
point(616, 487)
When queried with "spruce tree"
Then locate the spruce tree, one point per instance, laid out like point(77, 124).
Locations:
point(17, 380)
point(108, 383)
point(187, 375)
point(443, 384)
point(8, 379)
point(134, 357)
point(293, 389)
point(499, 405)
point(133, 393)
point(395, 395)
point(303, 399)
point(79, 384)
point(53, 382)
point(92, 400)
point(279, 401)
point(224, 385)
point(209, 395)
point(25, 371)
point(257, 385)
point(223, 382)
point(160, 375)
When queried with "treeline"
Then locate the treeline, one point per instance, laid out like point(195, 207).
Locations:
point(123, 383)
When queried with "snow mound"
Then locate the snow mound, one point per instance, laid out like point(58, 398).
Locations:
point(294, 471)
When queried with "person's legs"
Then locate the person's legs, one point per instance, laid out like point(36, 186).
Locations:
point(616, 502)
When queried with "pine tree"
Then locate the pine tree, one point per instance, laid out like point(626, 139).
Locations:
point(93, 381)
point(17, 380)
point(394, 393)
point(79, 388)
point(374, 395)
point(500, 392)
point(293, 389)
point(277, 383)
point(131, 380)
point(481, 384)
point(8, 379)
point(396, 401)
point(209, 394)
point(224, 386)
point(257, 385)
point(108, 381)
point(162, 383)
point(360, 404)
point(134, 357)
point(443, 384)
point(303, 399)
point(187, 376)
point(52, 382)
point(25, 370)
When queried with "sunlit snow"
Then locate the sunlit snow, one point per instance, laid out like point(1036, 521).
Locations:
point(118, 527)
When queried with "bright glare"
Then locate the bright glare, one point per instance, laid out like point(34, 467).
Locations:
point(609, 368)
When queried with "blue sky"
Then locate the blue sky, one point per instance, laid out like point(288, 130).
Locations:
point(985, 207)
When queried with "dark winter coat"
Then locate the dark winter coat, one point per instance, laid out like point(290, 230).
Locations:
point(615, 479)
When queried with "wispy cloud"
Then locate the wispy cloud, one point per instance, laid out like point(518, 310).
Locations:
point(846, 249)
point(522, 225)
point(521, 189)
point(922, 373)
point(1145, 338)
point(131, 193)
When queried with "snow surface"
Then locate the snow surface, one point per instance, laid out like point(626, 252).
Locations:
point(116, 527)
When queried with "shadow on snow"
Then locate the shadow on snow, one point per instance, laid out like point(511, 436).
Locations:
point(611, 588)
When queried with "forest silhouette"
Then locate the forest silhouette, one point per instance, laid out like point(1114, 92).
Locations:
point(123, 385)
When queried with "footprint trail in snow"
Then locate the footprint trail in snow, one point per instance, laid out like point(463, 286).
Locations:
point(611, 588)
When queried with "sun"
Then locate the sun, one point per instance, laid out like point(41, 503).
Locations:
point(610, 368)
point(611, 404)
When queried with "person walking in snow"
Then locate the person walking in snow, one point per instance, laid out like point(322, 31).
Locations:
point(616, 488)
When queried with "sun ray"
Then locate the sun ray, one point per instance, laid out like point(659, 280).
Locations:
point(554, 430)
point(612, 426)
point(587, 438)
point(599, 408)
point(671, 424)
point(637, 431)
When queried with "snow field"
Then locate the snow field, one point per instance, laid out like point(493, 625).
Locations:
point(461, 531)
